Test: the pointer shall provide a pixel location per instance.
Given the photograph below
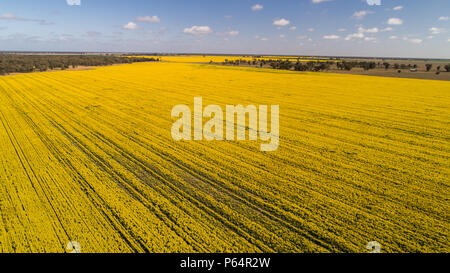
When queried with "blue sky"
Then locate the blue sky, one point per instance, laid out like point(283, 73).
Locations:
point(396, 28)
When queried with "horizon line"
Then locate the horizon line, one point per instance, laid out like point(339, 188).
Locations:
point(215, 54)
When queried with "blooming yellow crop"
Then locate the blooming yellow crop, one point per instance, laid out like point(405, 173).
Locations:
point(88, 156)
point(221, 59)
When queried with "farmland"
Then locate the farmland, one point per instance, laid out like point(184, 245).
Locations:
point(429, 69)
point(88, 156)
point(221, 59)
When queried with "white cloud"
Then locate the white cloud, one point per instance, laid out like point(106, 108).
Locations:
point(73, 2)
point(282, 36)
point(311, 29)
point(331, 37)
point(369, 39)
point(373, 2)
point(397, 8)
point(257, 7)
point(436, 31)
point(281, 22)
point(228, 33)
point(448, 40)
point(361, 33)
point(149, 19)
point(130, 26)
point(257, 37)
point(415, 41)
point(198, 30)
point(293, 28)
point(443, 18)
point(370, 30)
point(395, 21)
point(342, 30)
point(358, 35)
point(361, 14)
point(393, 37)
point(387, 29)
point(9, 16)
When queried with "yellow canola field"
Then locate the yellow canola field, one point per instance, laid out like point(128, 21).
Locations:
point(203, 59)
point(221, 59)
point(87, 156)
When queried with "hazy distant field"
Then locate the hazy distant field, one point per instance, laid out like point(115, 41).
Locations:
point(220, 59)
point(420, 72)
point(88, 156)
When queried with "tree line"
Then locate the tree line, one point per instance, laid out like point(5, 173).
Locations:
point(14, 63)
point(317, 66)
